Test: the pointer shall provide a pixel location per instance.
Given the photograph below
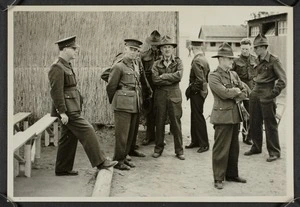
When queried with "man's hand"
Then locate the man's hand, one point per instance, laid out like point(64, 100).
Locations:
point(64, 118)
point(236, 90)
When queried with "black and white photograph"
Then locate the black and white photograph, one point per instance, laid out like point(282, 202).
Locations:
point(150, 103)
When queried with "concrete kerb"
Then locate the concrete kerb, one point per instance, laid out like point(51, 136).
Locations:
point(103, 183)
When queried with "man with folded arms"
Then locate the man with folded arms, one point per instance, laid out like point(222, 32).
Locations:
point(228, 91)
point(166, 75)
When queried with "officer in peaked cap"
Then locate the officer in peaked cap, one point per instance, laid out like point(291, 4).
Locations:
point(244, 67)
point(197, 92)
point(67, 106)
point(133, 43)
point(228, 90)
point(67, 42)
point(270, 80)
point(166, 75)
point(148, 57)
point(124, 93)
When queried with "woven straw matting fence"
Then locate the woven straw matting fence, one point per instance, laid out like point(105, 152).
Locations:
point(100, 35)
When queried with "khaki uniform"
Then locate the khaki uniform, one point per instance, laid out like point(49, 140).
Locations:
point(198, 92)
point(67, 99)
point(148, 57)
point(270, 79)
point(244, 67)
point(225, 117)
point(168, 100)
point(124, 93)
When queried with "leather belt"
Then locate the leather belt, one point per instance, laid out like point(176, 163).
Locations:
point(130, 88)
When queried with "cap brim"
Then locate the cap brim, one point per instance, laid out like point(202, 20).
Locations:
point(134, 47)
point(173, 44)
point(261, 45)
point(148, 41)
point(216, 56)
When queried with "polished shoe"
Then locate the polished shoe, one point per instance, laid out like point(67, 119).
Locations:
point(236, 179)
point(121, 166)
point(181, 157)
point(130, 164)
point(192, 145)
point(107, 164)
point(218, 184)
point(156, 155)
point(136, 153)
point(67, 173)
point(272, 158)
point(247, 141)
point(249, 153)
point(203, 149)
point(136, 147)
point(128, 158)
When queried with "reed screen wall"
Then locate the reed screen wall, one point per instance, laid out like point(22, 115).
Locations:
point(100, 36)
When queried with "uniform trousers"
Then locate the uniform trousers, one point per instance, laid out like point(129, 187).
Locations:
point(263, 111)
point(168, 102)
point(225, 151)
point(126, 130)
point(198, 123)
point(77, 129)
point(150, 123)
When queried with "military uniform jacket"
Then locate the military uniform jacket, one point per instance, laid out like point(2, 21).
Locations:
point(199, 75)
point(269, 70)
point(148, 58)
point(244, 67)
point(225, 109)
point(167, 77)
point(124, 87)
point(65, 96)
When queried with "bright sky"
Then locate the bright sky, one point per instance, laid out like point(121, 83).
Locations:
point(192, 18)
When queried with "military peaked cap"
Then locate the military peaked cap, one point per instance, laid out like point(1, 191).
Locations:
point(133, 43)
point(67, 42)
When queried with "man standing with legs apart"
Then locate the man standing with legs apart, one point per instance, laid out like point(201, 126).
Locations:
point(227, 90)
point(148, 58)
point(197, 92)
point(124, 93)
point(269, 81)
point(67, 103)
point(166, 75)
point(244, 67)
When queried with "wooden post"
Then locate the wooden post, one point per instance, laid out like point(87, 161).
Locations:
point(27, 156)
point(16, 164)
point(47, 142)
point(103, 183)
point(55, 132)
point(25, 126)
point(38, 146)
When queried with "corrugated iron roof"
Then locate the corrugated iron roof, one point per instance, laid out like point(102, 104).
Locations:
point(223, 31)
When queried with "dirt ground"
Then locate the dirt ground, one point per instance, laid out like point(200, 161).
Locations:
point(163, 177)
point(166, 176)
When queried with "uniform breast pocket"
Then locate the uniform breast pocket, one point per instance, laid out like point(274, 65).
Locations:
point(125, 100)
point(72, 101)
point(128, 77)
point(70, 80)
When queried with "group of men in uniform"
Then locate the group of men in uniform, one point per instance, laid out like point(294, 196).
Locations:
point(148, 82)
